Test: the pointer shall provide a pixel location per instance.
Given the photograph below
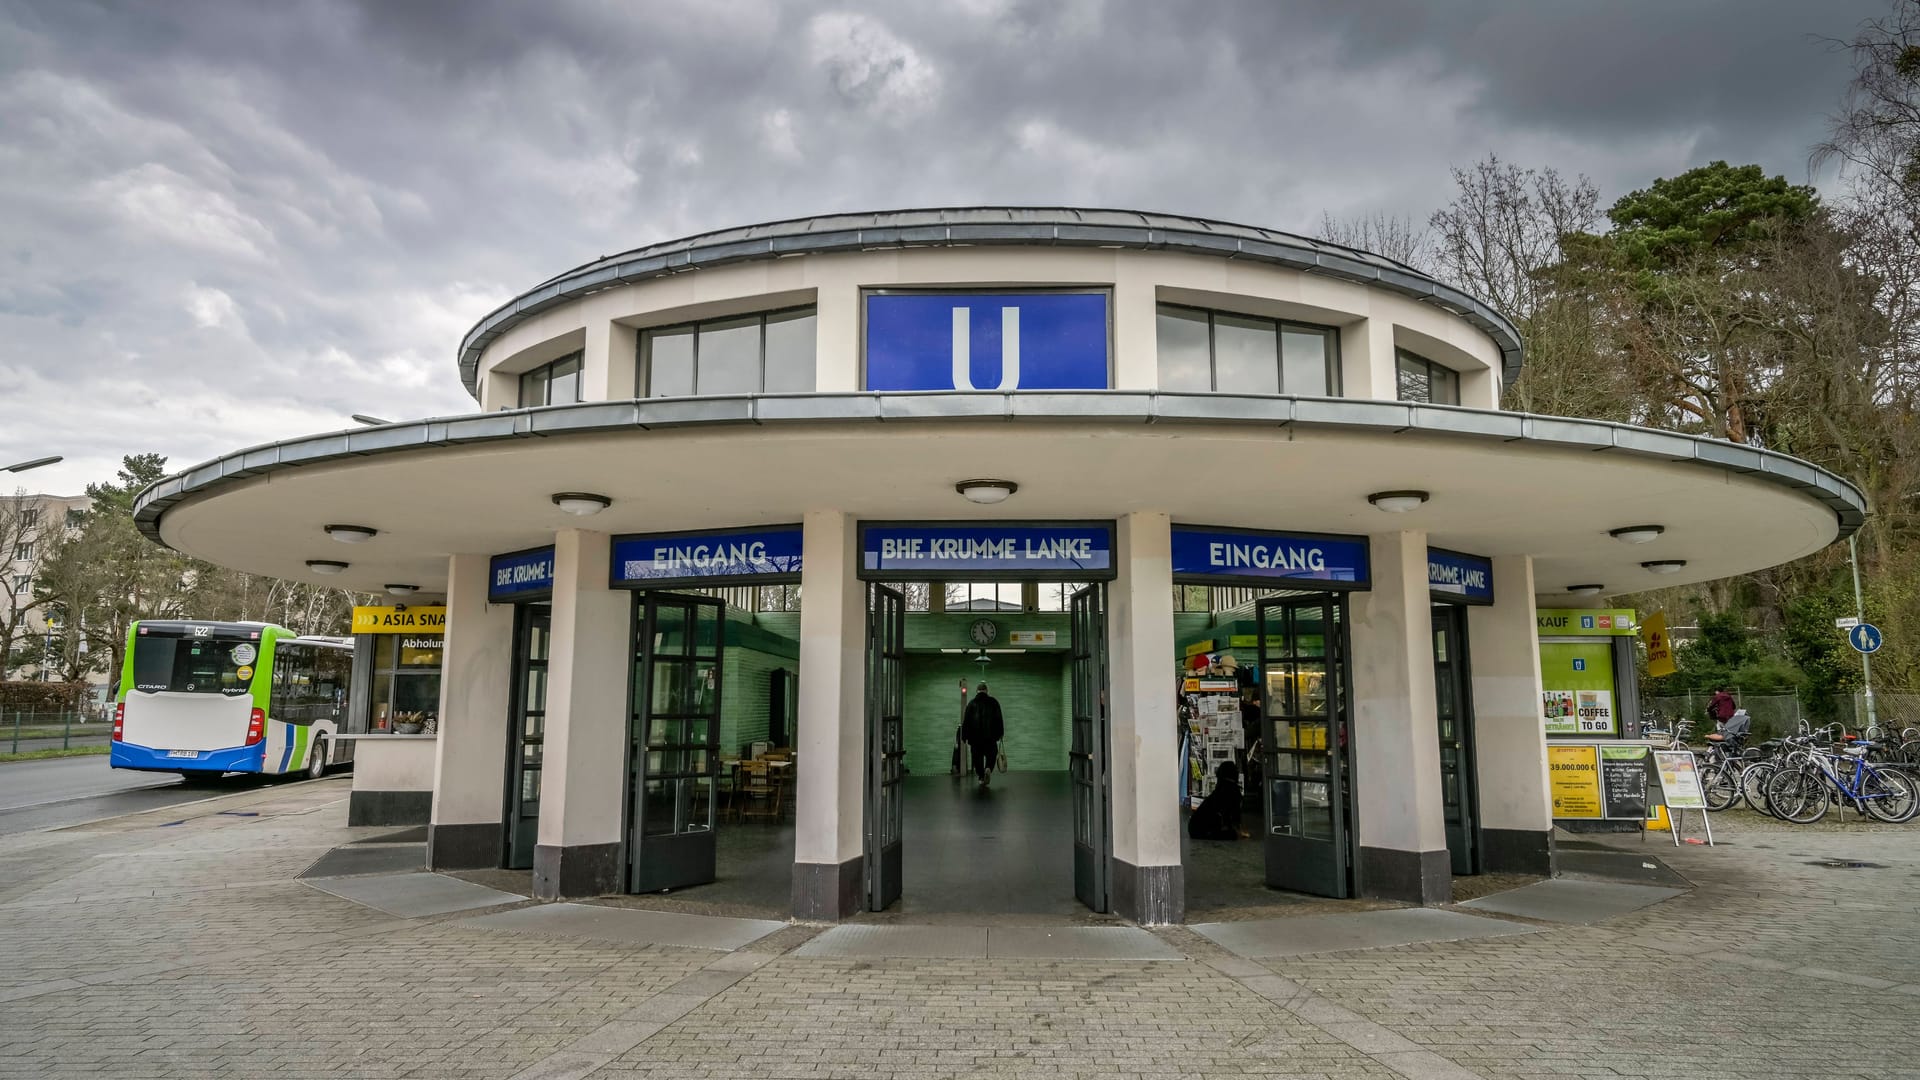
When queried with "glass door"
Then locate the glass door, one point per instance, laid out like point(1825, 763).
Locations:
point(886, 744)
point(532, 635)
point(1304, 745)
point(1454, 710)
point(1087, 759)
point(674, 741)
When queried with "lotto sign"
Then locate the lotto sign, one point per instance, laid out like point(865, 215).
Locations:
point(1659, 646)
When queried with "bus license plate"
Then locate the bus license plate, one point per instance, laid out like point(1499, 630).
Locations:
point(183, 753)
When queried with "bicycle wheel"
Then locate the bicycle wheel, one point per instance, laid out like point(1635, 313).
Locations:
point(1721, 785)
point(1889, 796)
point(1753, 786)
point(1798, 795)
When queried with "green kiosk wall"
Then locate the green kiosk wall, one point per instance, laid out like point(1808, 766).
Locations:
point(1587, 683)
point(1031, 685)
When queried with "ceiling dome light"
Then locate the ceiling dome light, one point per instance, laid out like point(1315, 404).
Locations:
point(1664, 566)
point(326, 566)
point(986, 492)
point(1397, 502)
point(403, 590)
point(1637, 534)
point(352, 534)
point(1585, 590)
point(581, 503)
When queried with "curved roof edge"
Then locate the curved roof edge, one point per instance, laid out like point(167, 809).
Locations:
point(973, 226)
point(1117, 407)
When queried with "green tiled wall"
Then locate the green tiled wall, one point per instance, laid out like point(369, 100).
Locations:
point(1032, 690)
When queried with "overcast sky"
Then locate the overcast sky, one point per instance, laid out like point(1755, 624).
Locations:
point(227, 223)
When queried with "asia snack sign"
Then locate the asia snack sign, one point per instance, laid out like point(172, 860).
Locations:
point(396, 620)
point(1011, 550)
point(986, 341)
point(1261, 557)
point(765, 554)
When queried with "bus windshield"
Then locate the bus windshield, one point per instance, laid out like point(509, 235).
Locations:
point(194, 665)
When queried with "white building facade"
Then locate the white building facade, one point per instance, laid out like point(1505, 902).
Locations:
point(1102, 414)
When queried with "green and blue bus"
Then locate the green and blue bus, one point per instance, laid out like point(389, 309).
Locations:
point(206, 698)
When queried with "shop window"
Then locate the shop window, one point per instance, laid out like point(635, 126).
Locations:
point(1424, 381)
point(406, 683)
point(557, 383)
point(752, 354)
point(1215, 351)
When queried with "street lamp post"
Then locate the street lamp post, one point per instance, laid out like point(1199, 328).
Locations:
point(31, 463)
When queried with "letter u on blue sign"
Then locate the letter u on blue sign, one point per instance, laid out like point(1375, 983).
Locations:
point(987, 341)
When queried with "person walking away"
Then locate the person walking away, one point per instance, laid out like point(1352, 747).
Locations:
point(982, 728)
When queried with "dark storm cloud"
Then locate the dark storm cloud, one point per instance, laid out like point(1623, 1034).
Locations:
point(222, 223)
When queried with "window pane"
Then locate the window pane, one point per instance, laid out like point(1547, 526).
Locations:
point(1413, 379)
point(729, 357)
point(1184, 365)
point(533, 388)
point(1305, 356)
point(563, 382)
point(1246, 356)
point(670, 362)
point(1444, 384)
point(790, 341)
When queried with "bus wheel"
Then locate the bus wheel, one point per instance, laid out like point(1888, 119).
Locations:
point(317, 759)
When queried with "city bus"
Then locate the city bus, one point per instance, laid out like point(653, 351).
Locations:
point(206, 698)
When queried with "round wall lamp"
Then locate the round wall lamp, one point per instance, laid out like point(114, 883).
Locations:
point(986, 492)
point(1397, 502)
point(352, 534)
point(326, 566)
point(1586, 590)
point(581, 503)
point(1637, 534)
point(403, 590)
point(1664, 566)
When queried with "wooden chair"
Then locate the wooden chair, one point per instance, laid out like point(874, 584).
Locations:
point(761, 790)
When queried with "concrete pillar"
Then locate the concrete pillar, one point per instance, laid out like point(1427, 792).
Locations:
point(829, 799)
point(608, 361)
point(1367, 367)
point(582, 809)
point(1149, 883)
point(837, 322)
point(470, 757)
point(1509, 739)
point(1400, 823)
point(1136, 333)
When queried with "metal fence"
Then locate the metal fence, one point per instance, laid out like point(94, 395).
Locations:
point(27, 727)
point(1775, 715)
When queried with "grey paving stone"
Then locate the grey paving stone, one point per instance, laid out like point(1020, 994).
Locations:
point(629, 926)
point(1566, 900)
point(1077, 943)
point(953, 942)
point(412, 896)
point(1266, 938)
point(373, 859)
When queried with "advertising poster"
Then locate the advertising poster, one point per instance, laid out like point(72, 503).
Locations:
point(1576, 680)
point(1623, 781)
point(1573, 774)
point(1680, 780)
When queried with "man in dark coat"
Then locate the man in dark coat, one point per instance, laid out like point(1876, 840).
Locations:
point(981, 729)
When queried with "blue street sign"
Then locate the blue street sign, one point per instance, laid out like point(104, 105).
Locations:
point(986, 551)
point(521, 575)
point(987, 341)
point(708, 558)
point(1259, 557)
point(1454, 574)
point(1864, 638)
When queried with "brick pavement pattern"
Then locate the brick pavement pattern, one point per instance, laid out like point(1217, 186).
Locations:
point(179, 944)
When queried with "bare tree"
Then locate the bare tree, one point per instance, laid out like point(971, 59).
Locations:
point(1504, 226)
point(1398, 238)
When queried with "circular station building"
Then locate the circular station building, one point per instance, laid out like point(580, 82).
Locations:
point(745, 524)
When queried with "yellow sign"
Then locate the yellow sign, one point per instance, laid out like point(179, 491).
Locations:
point(1275, 643)
point(388, 620)
point(1199, 647)
point(1659, 646)
point(1573, 775)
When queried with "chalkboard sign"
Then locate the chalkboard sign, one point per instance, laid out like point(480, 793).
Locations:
point(1623, 781)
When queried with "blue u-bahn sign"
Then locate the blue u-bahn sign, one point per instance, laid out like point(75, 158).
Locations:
point(987, 341)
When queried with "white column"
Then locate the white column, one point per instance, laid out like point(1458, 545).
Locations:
point(836, 340)
point(1367, 366)
point(1399, 822)
point(607, 362)
point(1510, 741)
point(1149, 883)
point(829, 797)
point(584, 778)
point(470, 756)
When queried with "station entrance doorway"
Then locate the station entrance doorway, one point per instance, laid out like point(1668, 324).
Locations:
point(1021, 609)
point(527, 730)
point(1453, 708)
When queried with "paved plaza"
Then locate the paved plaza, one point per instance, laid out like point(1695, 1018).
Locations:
point(186, 943)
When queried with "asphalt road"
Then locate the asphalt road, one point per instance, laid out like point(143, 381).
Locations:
point(59, 792)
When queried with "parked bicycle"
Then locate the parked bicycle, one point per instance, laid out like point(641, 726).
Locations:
point(1802, 794)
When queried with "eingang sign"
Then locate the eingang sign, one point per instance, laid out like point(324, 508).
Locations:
point(767, 555)
point(1261, 558)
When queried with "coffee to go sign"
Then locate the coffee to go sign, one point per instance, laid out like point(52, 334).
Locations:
point(394, 620)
